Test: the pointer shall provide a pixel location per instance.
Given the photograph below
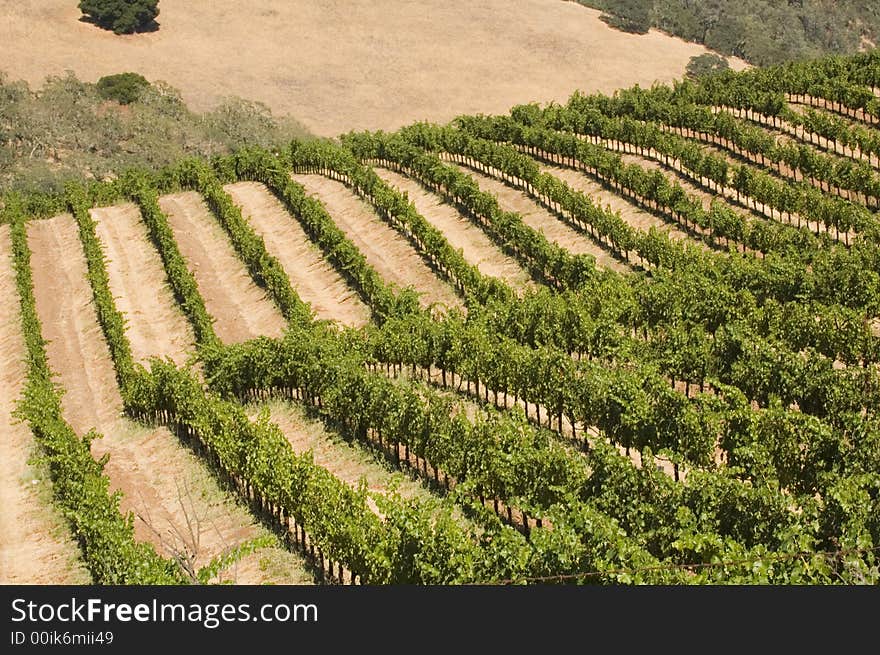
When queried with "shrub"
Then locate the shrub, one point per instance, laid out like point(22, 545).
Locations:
point(705, 65)
point(124, 88)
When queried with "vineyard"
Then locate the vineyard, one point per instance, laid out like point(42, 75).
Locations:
point(628, 339)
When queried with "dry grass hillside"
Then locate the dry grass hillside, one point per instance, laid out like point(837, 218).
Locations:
point(338, 66)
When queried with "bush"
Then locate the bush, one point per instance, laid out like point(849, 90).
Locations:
point(705, 65)
point(124, 88)
point(121, 16)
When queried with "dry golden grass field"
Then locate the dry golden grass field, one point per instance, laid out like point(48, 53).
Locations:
point(340, 66)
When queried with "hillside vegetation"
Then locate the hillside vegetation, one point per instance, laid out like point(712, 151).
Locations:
point(762, 32)
point(68, 128)
point(625, 339)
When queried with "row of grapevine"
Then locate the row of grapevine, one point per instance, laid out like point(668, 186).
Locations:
point(547, 261)
point(768, 91)
point(834, 275)
point(746, 185)
point(325, 158)
point(662, 108)
point(265, 270)
point(261, 166)
point(180, 278)
point(504, 164)
point(80, 488)
point(651, 190)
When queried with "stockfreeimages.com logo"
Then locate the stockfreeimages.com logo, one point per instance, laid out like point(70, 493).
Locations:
point(208, 615)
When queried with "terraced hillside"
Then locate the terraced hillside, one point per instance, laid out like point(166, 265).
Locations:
point(627, 339)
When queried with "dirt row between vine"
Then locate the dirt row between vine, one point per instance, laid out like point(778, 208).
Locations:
point(163, 483)
point(461, 233)
point(348, 462)
point(155, 325)
point(311, 275)
point(541, 220)
point(240, 309)
point(602, 197)
point(36, 546)
point(384, 248)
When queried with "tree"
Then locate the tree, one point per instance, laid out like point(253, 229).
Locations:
point(632, 16)
point(706, 64)
point(122, 16)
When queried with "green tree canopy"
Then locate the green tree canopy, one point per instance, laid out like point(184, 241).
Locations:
point(629, 15)
point(121, 16)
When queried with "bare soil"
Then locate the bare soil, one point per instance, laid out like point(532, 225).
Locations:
point(312, 277)
point(348, 462)
point(155, 326)
point(35, 545)
point(164, 484)
point(270, 566)
point(76, 347)
point(461, 233)
point(543, 221)
point(339, 66)
point(241, 310)
point(385, 249)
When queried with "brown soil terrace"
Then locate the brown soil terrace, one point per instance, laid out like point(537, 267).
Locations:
point(161, 482)
point(311, 275)
point(385, 249)
point(35, 546)
point(155, 326)
point(241, 310)
point(461, 233)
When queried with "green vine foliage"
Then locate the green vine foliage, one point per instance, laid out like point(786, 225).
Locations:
point(80, 488)
point(768, 328)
